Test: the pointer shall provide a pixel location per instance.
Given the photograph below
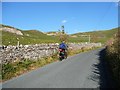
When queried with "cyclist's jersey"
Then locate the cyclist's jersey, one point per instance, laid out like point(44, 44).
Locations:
point(63, 46)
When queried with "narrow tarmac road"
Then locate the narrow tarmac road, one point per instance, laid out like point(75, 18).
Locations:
point(84, 70)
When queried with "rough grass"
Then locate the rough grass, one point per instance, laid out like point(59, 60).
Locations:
point(113, 58)
point(99, 36)
point(11, 70)
point(33, 38)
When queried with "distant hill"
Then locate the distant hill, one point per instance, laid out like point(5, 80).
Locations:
point(10, 37)
point(27, 37)
point(52, 33)
point(97, 36)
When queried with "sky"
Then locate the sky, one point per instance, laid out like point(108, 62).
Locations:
point(50, 16)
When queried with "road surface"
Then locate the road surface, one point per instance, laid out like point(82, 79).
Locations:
point(84, 70)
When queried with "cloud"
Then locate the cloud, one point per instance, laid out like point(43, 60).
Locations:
point(64, 21)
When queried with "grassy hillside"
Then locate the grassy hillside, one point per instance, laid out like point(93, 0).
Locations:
point(98, 36)
point(51, 32)
point(8, 26)
point(36, 37)
point(29, 37)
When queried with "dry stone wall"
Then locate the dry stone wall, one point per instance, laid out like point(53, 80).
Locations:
point(34, 52)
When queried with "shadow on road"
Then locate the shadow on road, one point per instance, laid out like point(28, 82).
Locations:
point(101, 72)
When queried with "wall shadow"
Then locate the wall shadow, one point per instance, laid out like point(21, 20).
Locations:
point(101, 71)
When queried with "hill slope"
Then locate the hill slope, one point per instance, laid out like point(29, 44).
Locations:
point(28, 37)
point(98, 36)
point(36, 37)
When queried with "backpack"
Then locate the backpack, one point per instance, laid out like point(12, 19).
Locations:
point(62, 46)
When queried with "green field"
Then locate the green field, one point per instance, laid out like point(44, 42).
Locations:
point(99, 36)
point(34, 37)
point(37, 37)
